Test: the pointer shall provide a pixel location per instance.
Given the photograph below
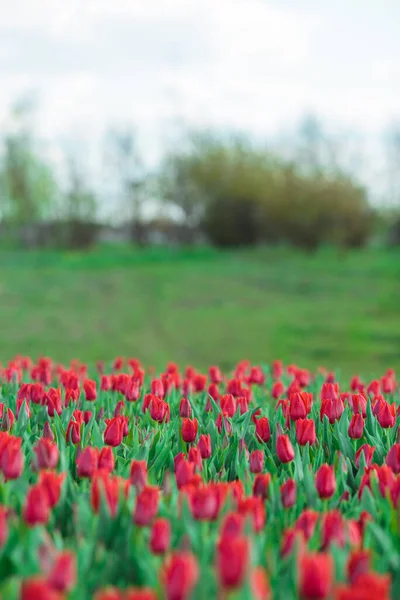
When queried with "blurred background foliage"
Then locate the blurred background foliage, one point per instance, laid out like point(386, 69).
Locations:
point(221, 189)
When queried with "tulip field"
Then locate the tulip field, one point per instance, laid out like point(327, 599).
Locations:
point(267, 482)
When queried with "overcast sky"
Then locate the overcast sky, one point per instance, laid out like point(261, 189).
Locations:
point(254, 65)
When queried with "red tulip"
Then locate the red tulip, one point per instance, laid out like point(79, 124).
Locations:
point(184, 472)
point(278, 389)
point(368, 586)
point(47, 432)
point(73, 433)
point(146, 506)
point(284, 449)
point(253, 507)
point(289, 538)
point(204, 502)
point(300, 405)
point(159, 410)
point(89, 387)
point(3, 526)
point(260, 586)
point(106, 459)
point(387, 415)
point(368, 452)
point(185, 410)
point(277, 369)
point(288, 493)
point(138, 473)
point(47, 454)
point(306, 523)
point(204, 445)
point(114, 432)
point(38, 587)
point(109, 593)
point(87, 463)
point(358, 403)
point(232, 561)
point(228, 405)
point(232, 525)
point(356, 427)
point(261, 485)
point(189, 430)
point(333, 529)
point(325, 481)
point(256, 461)
point(316, 576)
point(332, 408)
point(179, 575)
point(227, 424)
point(263, 430)
point(215, 375)
point(12, 459)
point(160, 537)
point(51, 483)
point(63, 575)
point(305, 432)
point(36, 507)
point(108, 488)
point(393, 458)
point(359, 562)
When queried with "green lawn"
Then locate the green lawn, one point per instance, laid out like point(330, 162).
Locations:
point(204, 307)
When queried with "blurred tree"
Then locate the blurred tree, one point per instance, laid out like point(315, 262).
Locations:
point(28, 187)
point(243, 195)
point(125, 163)
point(392, 214)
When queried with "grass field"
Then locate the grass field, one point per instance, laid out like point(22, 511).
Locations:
point(204, 306)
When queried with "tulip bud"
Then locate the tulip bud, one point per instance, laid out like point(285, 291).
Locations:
point(263, 431)
point(87, 463)
point(51, 483)
point(256, 461)
point(63, 574)
point(356, 427)
point(204, 445)
point(359, 562)
point(325, 481)
point(316, 576)
point(305, 432)
point(368, 452)
point(288, 493)
point(47, 454)
point(185, 410)
point(89, 387)
point(160, 537)
point(179, 575)
point(47, 432)
point(12, 459)
point(3, 526)
point(261, 484)
point(189, 430)
point(284, 449)
point(138, 476)
point(36, 508)
point(232, 561)
point(146, 506)
point(106, 459)
point(114, 432)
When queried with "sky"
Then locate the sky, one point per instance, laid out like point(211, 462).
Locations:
point(252, 65)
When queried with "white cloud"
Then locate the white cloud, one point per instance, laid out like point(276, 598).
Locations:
point(255, 65)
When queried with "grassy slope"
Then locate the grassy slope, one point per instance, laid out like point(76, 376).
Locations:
point(204, 307)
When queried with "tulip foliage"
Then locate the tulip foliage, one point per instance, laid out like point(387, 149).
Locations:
point(269, 482)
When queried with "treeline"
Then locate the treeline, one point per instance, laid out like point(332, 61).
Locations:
point(218, 189)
